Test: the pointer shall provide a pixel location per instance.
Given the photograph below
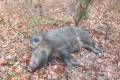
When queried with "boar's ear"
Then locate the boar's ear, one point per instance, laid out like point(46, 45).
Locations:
point(36, 40)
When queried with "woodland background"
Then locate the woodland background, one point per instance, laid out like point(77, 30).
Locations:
point(20, 19)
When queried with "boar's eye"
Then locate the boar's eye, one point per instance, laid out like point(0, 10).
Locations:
point(36, 40)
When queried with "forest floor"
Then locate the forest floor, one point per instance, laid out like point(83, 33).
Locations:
point(19, 21)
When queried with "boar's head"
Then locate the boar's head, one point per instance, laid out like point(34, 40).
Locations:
point(40, 53)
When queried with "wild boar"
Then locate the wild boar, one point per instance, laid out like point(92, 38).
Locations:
point(62, 42)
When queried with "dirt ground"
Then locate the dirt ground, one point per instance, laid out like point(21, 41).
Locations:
point(19, 20)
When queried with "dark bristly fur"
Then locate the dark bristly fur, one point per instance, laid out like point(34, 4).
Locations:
point(62, 41)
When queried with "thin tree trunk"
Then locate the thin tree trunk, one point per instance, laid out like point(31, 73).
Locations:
point(78, 9)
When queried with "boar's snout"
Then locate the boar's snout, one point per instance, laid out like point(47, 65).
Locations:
point(32, 66)
point(37, 61)
point(30, 69)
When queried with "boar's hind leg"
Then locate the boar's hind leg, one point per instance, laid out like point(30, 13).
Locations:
point(92, 48)
point(66, 58)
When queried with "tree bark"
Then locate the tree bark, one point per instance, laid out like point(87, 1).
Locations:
point(78, 9)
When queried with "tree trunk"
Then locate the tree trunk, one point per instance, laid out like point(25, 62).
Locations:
point(78, 9)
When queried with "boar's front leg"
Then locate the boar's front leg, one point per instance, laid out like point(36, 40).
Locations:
point(65, 55)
